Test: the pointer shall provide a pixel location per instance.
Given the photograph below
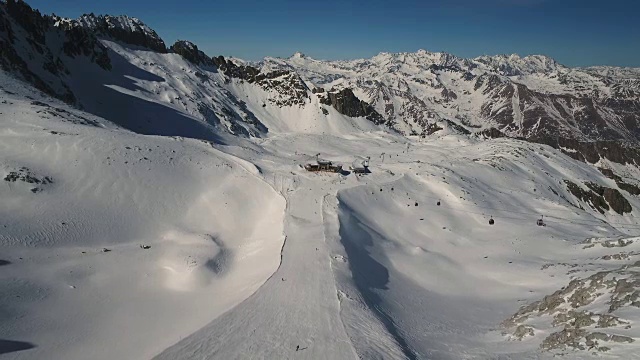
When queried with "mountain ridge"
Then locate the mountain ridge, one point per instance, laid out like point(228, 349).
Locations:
point(418, 93)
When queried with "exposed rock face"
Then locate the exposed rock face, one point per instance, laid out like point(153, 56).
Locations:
point(384, 100)
point(564, 338)
point(573, 308)
point(346, 103)
point(600, 198)
point(621, 152)
point(630, 188)
point(190, 51)
point(80, 42)
point(122, 28)
point(618, 202)
point(25, 175)
point(492, 133)
point(39, 37)
point(288, 86)
point(596, 201)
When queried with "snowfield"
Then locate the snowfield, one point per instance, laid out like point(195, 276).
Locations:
point(74, 262)
point(146, 226)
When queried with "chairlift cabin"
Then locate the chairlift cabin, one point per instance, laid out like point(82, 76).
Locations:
point(491, 221)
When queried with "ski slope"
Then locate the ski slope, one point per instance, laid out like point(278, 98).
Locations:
point(409, 281)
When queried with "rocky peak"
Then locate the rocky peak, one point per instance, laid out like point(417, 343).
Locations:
point(514, 65)
point(287, 86)
point(190, 52)
point(33, 47)
point(298, 55)
point(123, 28)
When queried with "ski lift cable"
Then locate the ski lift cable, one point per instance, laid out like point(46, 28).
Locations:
point(584, 222)
point(537, 214)
point(561, 220)
point(567, 221)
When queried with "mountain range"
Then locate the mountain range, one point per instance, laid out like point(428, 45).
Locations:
point(590, 113)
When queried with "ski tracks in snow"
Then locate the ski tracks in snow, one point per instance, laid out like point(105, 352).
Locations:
point(296, 306)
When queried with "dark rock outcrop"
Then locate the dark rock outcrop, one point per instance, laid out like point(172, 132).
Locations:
point(80, 42)
point(346, 103)
point(592, 151)
point(600, 197)
point(37, 35)
point(491, 133)
point(630, 188)
point(617, 202)
point(288, 85)
point(190, 52)
point(124, 29)
point(578, 306)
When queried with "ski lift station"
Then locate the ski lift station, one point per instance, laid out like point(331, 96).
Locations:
point(323, 165)
point(360, 167)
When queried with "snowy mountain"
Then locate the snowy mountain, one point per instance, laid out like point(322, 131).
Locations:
point(532, 97)
point(155, 197)
point(585, 111)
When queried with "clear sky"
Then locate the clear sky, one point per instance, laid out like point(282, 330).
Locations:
point(574, 32)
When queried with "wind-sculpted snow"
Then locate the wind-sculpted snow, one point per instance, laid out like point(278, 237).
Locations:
point(108, 237)
point(422, 268)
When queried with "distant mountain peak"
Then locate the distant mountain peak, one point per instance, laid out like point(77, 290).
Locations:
point(298, 55)
point(515, 64)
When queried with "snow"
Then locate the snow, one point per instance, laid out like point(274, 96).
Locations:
point(117, 190)
point(252, 256)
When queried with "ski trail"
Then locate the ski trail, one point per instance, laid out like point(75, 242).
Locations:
point(366, 325)
point(296, 306)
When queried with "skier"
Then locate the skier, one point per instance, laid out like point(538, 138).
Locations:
point(297, 347)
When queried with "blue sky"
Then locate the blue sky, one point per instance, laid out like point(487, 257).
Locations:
point(574, 32)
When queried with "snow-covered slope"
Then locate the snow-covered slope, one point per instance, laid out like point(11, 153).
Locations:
point(154, 202)
point(176, 93)
point(86, 198)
